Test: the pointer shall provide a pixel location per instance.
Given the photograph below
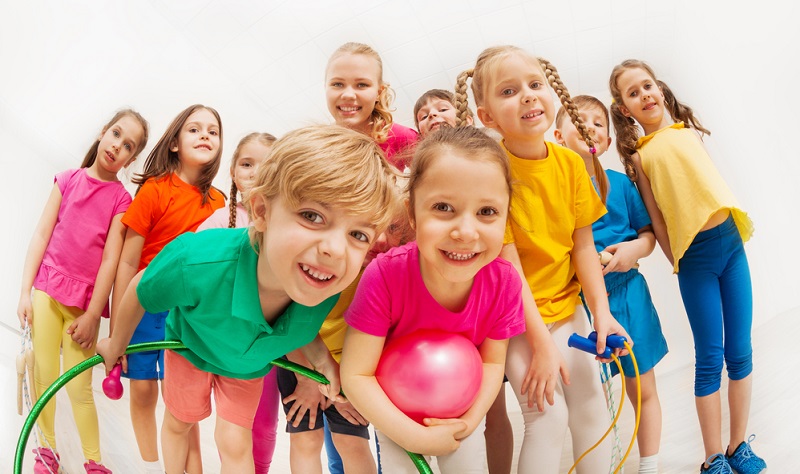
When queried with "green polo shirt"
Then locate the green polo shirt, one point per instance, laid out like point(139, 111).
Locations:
point(208, 283)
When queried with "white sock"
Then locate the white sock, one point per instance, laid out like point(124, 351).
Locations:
point(648, 465)
point(153, 467)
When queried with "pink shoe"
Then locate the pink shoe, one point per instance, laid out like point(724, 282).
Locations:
point(94, 468)
point(47, 462)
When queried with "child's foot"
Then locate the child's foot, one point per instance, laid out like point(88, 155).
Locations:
point(717, 464)
point(744, 460)
point(46, 461)
point(94, 468)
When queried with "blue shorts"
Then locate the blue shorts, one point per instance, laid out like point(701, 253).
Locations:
point(631, 305)
point(147, 365)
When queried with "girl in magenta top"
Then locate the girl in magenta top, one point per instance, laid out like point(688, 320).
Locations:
point(68, 274)
point(358, 98)
point(450, 279)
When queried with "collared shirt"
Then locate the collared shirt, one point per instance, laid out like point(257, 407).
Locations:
point(209, 284)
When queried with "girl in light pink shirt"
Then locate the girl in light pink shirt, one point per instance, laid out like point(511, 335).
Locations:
point(67, 278)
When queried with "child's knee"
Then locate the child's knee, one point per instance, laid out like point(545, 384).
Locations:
point(307, 441)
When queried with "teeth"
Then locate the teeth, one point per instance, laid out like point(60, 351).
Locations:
point(532, 115)
point(459, 256)
point(316, 274)
point(348, 109)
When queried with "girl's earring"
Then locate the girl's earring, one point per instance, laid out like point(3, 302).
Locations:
point(174, 149)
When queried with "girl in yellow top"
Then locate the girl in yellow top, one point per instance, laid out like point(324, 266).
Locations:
point(701, 229)
point(549, 240)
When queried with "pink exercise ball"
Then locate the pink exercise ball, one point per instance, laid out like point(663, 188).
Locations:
point(431, 374)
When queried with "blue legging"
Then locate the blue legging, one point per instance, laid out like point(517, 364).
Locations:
point(714, 279)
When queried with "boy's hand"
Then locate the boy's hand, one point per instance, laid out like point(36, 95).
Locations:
point(84, 330)
point(111, 356)
point(330, 369)
point(306, 398)
point(348, 411)
point(623, 258)
point(605, 324)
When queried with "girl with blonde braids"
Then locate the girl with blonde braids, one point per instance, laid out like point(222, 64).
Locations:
point(549, 240)
point(251, 151)
point(701, 228)
point(358, 98)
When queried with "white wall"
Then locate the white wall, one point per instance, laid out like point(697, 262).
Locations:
point(67, 66)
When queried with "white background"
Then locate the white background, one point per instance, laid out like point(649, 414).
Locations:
point(67, 66)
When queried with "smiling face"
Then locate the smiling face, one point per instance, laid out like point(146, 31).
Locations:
point(642, 99)
point(435, 114)
point(517, 102)
point(251, 154)
point(597, 125)
point(352, 86)
point(309, 252)
point(198, 142)
point(459, 223)
point(117, 147)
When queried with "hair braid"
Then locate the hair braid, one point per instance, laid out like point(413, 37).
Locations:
point(627, 133)
point(558, 86)
point(461, 97)
point(232, 206)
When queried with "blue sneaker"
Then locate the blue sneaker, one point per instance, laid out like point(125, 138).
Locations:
point(717, 464)
point(744, 460)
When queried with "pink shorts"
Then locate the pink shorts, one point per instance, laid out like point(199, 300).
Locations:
point(187, 393)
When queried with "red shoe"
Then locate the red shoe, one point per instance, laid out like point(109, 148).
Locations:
point(46, 461)
point(94, 468)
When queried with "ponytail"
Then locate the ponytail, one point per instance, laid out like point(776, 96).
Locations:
point(680, 112)
point(461, 98)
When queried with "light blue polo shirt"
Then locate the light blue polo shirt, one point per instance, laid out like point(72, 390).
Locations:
point(208, 283)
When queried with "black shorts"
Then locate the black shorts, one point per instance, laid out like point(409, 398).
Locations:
point(287, 382)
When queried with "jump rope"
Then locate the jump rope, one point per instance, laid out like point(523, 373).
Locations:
point(26, 356)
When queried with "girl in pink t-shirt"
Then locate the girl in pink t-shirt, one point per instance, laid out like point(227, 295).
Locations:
point(450, 279)
point(68, 274)
point(249, 154)
point(358, 98)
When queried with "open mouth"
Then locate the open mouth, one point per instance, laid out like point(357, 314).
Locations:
point(315, 274)
point(207, 147)
point(349, 109)
point(532, 114)
point(458, 256)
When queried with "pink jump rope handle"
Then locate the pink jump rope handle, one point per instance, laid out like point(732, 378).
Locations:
point(112, 386)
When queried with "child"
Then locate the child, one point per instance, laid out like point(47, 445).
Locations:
point(249, 154)
point(342, 429)
point(701, 229)
point(436, 108)
point(448, 279)
point(358, 98)
point(317, 205)
point(549, 239)
point(625, 233)
point(70, 266)
point(175, 195)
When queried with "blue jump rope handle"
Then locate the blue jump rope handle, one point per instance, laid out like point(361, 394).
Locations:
point(612, 340)
point(584, 344)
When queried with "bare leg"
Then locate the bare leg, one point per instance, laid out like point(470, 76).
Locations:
point(144, 397)
point(709, 413)
point(649, 435)
point(499, 436)
point(175, 443)
point(235, 445)
point(739, 393)
point(356, 456)
point(194, 458)
point(304, 451)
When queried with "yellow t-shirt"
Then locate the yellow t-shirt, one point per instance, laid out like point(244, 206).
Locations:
point(334, 327)
point(686, 185)
point(552, 197)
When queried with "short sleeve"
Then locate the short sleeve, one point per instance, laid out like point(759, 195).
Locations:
point(162, 286)
point(63, 179)
point(511, 321)
point(370, 310)
point(123, 200)
point(636, 210)
point(588, 206)
point(143, 211)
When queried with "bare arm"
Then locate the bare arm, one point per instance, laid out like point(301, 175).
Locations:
point(127, 268)
point(360, 357)
point(35, 254)
point(590, 275)
point(84, 328)
point(318, 355)
point(128, 316)
point(657, 218)
point(625, 255)
point(546, 363)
